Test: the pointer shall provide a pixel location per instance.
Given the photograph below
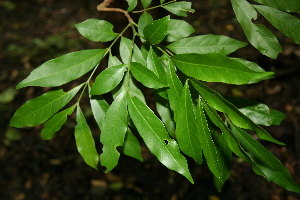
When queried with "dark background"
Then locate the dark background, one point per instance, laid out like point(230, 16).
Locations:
point(34, 31)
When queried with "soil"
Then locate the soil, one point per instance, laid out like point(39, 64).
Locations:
point(34, 31)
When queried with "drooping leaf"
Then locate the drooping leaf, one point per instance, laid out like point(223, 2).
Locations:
point(215, 67)
point(108, 79)
point(288, 6)
point(125, 49)
point(178, 29)
point(155, 65)
point(55, 123)
point(96, 30)
point(146, 76)
point(258, 35)
point(99, 108)
point(132, 146)
point(146, 3)
point(206, 44)
point(156, 137)
point(84, 141)
point(287, 24)
point(113, 131)
point(216, 101)
point(265, 161)
point(113, 61)
point(132, 4)
point(187, 134)
point(259, 113)
point(157, 30)
point(40, 109)
point(144, 20)
point(180, 8)
point(63, 69)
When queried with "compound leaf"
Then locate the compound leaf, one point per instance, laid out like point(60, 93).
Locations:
point(206, 44)
point(180, 8)
point(132, 146)
point(64, 69)
point(40, 109)
point(84, 140)
point(156, 137)
point(113, 131)
point(288, 6)
point(157, 30)
point(215, 67)
point(96, 30)
point(178, 29)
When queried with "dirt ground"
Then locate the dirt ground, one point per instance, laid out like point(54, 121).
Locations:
point(34, 31)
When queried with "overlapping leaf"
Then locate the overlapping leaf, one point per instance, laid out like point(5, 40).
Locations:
point(132, 146)
point(40, 109)
point(84, 140)
point(157, 30)
point(144, 20)
point(206, 44)
point(178, 29)
point(99, 108)
point(215, 67)
point(96, 30)
point(113, 131)
point(287, 24)
point(63, 69)
point(125, 49)
point(113, 61)
point(288, 6)
point(155, 65)
point(180, 8)
point(156, 137)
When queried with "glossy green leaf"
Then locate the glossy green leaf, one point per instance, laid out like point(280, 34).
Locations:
point(216, 101)
point(113, 61)
point(108, 79)
point(113, 131)
point(178, 29)
point(287, 24)
point(137, 55)
point(63, 69)
point(96, 30)
point(146, 76)
point(155, 65)
point(144, 20)
point(156, 137)
point(180, 8)
point(259, 113)
point(84, 141)
point(132, 146)
point(288, 6)
point(213, 155)
point(265, 161)
point(215, 67)
point(206, 44)
point(157, 30)
point(146, 3)
point(132, 4)
point(55, 123)
point(125, 49)
point(40, 109)
point(258, 35)
point(99, 108)
point(187, 134)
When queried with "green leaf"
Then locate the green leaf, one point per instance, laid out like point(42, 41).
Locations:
point(258, 35)
point(206, 44)
point(216, 101)
point(215, 67)
point(215, 161)
point(132, 4)
point(155, 65)
point(40, 109)
point(64, 69)
point(157, 30)
point(113, 60)
point(265, 161)
point(84, 141)
point(55, 123)
point(125, 49)
point(288, 6)
point(99, 108)
point(187, 134)
point(146, 3)
point(144, 20)
point(180, 8)
point(132, 146)
point(113, 131)
point(161, 1)
point(287, 24)
point(259, 113)
point(137, 55)
point(108, 79)
point(178, 29)
point(146, 76)
point(156, 137)
point(96, 30)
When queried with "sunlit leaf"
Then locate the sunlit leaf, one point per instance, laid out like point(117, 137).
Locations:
point(99, 107)
point(113, 61)
point(84, 141)
point(178, 29)
point(156, 137)
point(132, 146)
point(289, 6)
point(137, 55)
point(125, 49)
point(63, 69)
point(156, 31)
point(96, 30)
point(144, 20)
point(180, 8)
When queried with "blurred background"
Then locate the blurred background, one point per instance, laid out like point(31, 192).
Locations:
point(34, 31)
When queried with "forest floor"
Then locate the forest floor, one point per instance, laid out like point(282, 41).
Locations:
point(34, 31)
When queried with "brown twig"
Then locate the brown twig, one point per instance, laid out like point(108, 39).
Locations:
point(103, 7)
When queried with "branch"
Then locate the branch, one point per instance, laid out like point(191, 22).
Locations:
point(103, 7)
